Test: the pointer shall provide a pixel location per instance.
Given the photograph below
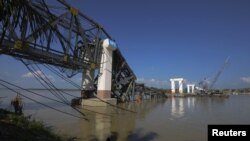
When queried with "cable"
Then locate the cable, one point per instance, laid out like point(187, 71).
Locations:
point(43, 103)
point(77, 86)
point(37, 78)
point(96, 97)
point(60, 94)
point(61, 98)
point(49, 83)
point(47, 97)
point(52, 85)
point(62, 76)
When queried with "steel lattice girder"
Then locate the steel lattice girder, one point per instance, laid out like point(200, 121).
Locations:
point(54, 33)
point(122, 76)
point(58, 34)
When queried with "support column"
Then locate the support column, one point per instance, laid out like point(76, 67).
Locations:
point(180, 86)
point(105, 79)
point(188, 88)
point(192, 89)
point(172, 86)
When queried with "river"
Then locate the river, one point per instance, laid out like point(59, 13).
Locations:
point(171, 119)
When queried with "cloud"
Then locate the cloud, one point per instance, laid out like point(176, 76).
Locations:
point(27, 75)
point(40, 74)
point(154, 82)
point(245, 79)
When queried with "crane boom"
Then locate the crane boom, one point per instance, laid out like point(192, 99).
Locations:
point(219, 73)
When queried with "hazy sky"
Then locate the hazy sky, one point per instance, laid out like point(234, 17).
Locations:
point(162, 39)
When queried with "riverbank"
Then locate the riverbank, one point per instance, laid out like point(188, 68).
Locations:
point(197, 95)
point(18, 127)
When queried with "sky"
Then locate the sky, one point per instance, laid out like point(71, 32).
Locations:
point(163, 39)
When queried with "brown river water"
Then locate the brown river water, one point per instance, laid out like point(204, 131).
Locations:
point(171, 119)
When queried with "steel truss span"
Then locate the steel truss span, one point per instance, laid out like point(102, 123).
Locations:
point(54, 32)
point(51, 32)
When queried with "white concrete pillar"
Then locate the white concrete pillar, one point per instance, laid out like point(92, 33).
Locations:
point(188, 88)
point(180, 86)
point(172, 86)
point(105, 79)
point(192, 88)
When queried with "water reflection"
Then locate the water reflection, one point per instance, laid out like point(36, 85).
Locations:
point(191, 102)
point(98, 128)
point(102, 127)
point(121, 125)
point(178, 105)
point(177, 108)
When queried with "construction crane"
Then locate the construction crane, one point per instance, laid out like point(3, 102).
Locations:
point(219, 73)
point(205, 87)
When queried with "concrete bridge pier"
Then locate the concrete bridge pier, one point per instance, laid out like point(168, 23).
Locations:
point(192, 88)
point(180, 81)
point(105, 78)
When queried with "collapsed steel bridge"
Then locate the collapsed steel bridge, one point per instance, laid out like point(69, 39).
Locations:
point(58, 34)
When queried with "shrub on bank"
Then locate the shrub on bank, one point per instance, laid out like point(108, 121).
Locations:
point(18, 127)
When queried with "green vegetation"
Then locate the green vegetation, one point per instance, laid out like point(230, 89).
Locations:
point(20, 128)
